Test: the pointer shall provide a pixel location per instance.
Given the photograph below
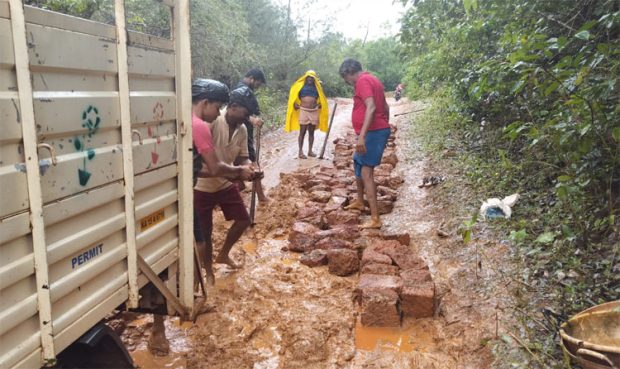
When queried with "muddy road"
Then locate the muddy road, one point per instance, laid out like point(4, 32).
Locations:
point(278, 313)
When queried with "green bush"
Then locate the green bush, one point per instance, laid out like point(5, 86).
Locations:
point(273, 107)
point(528, 91)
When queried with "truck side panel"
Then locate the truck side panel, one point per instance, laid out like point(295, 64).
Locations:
point(78, 109)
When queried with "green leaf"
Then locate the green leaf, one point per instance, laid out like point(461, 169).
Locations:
point(567, 232)
point(545, 238)
point(533, 251)
point(517, 86)
point(562, 192)
point(552, 87)
point(615, 133)
point(470, 5)
point(583, 35)
point(518, 236)
point(564, 178)
point(588, 25)
point(467, 236)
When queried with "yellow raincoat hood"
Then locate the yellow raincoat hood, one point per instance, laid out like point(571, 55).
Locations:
point(292, 115)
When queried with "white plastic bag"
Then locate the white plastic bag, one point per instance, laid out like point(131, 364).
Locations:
point(496, 208)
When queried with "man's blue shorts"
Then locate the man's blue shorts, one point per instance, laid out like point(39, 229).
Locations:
point(375, 144)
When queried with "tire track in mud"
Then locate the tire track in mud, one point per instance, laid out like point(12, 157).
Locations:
point(278, 313)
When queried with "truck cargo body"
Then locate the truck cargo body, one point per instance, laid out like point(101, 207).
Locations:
point(95, 169)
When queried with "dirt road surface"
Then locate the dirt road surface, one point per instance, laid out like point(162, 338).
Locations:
point(278, 313)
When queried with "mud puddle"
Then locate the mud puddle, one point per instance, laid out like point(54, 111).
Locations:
point(278, 313)
point(138, 332)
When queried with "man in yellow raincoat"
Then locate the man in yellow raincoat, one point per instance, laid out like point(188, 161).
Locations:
point(307, 110)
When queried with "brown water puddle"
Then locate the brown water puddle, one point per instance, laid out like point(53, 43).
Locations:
point(145, 360)
point(250, 247)
point(410, 337)
point(180, 344)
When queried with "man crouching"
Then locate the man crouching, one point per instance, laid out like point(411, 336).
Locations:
point(230, 139)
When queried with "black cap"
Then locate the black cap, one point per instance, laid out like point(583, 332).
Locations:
point(209, 89)
point(243, 96)
point(257, 74)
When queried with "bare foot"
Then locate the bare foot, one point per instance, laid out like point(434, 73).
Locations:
point(355, 205)
point(228, 261)
point(312, 154)
point(210, 276)
point(302, 156)
point(372, 223)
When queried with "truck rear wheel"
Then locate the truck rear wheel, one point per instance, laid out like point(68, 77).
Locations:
point(100, 347)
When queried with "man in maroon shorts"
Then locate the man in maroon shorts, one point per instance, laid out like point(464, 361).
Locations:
point(230, 139)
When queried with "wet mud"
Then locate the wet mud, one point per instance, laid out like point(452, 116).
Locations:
point(275, 312)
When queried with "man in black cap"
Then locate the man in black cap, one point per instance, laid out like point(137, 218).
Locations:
point(230, 139)
point(208, 97)
point(254, 79)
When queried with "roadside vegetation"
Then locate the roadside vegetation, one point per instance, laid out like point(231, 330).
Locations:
point(524, 99)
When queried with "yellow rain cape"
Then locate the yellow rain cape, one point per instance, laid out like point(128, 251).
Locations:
point(292, 115)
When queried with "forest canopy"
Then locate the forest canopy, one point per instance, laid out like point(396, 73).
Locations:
point(230, 37)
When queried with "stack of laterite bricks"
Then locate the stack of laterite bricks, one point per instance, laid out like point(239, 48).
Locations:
point(323, 230)
point(394, 282)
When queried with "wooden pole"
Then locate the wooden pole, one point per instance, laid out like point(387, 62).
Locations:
point(331, 121)
point(161, 286)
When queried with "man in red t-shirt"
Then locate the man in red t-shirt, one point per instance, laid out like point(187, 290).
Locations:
point(370, 119)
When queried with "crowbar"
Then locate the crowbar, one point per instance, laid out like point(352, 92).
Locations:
point(200, 301)
point(331, 121)
point(198, 265)
point(409, 112)
point(255, 182)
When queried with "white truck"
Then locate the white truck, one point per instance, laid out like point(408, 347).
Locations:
point(95, 174)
